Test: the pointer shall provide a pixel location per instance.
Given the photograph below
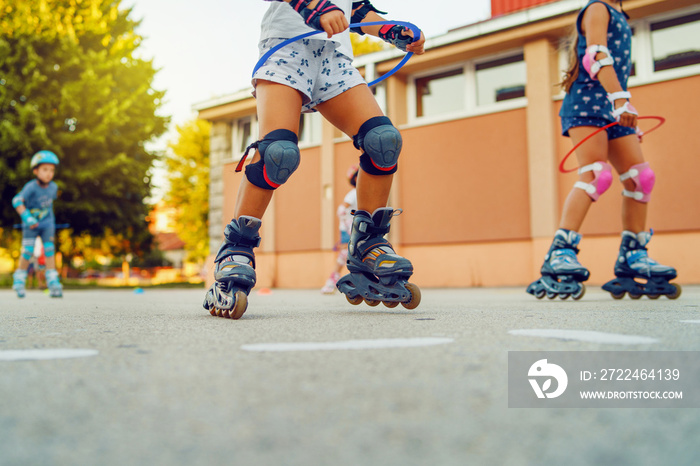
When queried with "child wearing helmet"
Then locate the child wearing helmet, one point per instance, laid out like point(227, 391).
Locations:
point(34, 204)
point(344, 213)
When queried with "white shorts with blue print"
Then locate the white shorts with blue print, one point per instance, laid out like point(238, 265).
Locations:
point(313, 67)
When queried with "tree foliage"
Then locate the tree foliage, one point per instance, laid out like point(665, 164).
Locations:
point(188, 192)
point(362, 45)
point(69, 82)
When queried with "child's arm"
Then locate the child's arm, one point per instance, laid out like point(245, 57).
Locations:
point(595, 26)
point(400, 37)
point(27, 218)
point(322, 15)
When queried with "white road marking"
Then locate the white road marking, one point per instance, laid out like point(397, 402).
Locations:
point(348, 344)
point(586, 335)
point(43, 354)
point(691, 321)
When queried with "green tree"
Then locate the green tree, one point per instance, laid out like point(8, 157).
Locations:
point(69, 82)
point(188, 192)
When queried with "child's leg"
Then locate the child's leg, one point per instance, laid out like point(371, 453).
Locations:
point(279, 107)
point(626, 152)
point(348, 112)
point(578, 201)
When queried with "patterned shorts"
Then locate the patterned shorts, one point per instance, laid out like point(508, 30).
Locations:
point(614, 132)
point(313, 67)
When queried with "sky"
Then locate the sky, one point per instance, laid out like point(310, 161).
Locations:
point(207, 48)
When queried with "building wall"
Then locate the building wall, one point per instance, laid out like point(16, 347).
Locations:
point(481, 194)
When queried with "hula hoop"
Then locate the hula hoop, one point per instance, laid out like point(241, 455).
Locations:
point(411, 26)
point(661, 121)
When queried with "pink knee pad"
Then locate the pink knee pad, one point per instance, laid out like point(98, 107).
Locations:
point(644, 179)
point(602, 173)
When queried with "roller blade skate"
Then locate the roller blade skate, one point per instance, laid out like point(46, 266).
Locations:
point(235, 269)
point(55, 287)
point(329, 287)
point(377, 273)
point(633, 262)
point(19, 282)
point(562, 274)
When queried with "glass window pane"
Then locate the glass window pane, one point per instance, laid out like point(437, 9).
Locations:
point(440, 93)
point(244, 135)
point(676, 42)
point(500, 80)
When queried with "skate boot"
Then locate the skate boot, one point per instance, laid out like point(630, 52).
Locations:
point(55, 287)
point(377, 273)
point(329, 287)
point(19, 281)
point(562, 273)
point(634, 262)
point(235, 269)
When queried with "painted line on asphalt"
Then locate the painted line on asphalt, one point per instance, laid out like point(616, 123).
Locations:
point(44, 354)
point(691, 321)
point(348, 344)
point(585, 335)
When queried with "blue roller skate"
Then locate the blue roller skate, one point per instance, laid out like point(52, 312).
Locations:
point(377, 273)
point(55, 287)
point(235, 269)
point(562, 273)
point(19, 282)
point(632, 263)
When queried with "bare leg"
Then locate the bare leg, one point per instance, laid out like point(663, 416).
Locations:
point(279, 107)
point(624, 153)
point(578, 202)
point(348, 112)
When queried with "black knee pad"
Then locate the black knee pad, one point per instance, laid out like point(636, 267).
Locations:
point(381, 144)
point(279, 158)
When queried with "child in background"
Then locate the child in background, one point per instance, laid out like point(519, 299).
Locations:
point(597, 95)
point(34, 204)
point(344, 213)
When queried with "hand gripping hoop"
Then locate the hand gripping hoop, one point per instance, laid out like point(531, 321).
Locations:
point(411, 26)
point(661, 121)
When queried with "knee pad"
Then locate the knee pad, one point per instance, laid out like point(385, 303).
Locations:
point(381, 144)
point(644, 179)
point(27, 250)
point(279, 158)
point(602, 173)
point(49, 249)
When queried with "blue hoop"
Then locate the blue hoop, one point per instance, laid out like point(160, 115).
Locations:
point(411, 26)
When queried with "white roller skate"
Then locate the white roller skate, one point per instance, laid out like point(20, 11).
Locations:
point(19, 282)
point(329, 287)
point(52, 281)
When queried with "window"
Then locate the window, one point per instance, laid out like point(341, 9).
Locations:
point(310, 129)
point(440, 93)
point(500, 80)
point(243, 135)
point(676, 42)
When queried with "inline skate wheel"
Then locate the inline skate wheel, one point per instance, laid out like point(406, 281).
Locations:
point(653, 296)
point(354, 300)
point(564, 296)
point(579, 294)
point(391, 304)
point(415, 296)
point(240, 307)
point(634, 295)
point(551, 295)
point(677, 293)
point(372, 302)
point(539, 294)
point(619, 295)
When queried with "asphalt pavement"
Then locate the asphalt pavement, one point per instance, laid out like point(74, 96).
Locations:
point(105, 377)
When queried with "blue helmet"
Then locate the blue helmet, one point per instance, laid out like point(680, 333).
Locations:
point(43, 156)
